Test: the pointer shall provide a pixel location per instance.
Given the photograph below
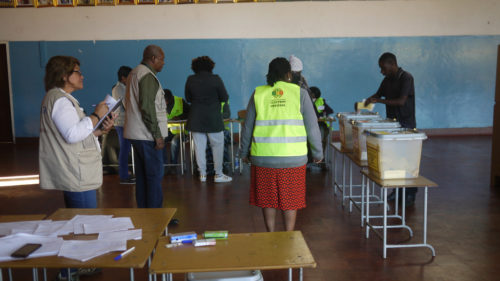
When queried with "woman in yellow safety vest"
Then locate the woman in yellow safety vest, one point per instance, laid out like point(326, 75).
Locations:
point(280, 121)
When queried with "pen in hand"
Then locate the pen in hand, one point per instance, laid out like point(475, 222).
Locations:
point(120, 256)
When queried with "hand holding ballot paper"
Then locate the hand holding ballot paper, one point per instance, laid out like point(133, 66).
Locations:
point(364, 104)
point(107, 114)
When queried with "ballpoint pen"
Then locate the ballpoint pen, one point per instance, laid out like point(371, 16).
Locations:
point(124, 254)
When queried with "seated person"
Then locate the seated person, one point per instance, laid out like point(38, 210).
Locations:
point(177, 109)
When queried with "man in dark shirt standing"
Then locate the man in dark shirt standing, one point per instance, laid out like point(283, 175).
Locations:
point(397, 92)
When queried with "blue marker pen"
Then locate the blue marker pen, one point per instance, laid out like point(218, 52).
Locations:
point(120, 256)
point(187, 241)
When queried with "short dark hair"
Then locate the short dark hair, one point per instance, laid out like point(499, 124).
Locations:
point(168, 93)
point(388, 58)
point(169, 97)
point(278, 68)
point(124, 71)
point(151, 51)
point(203, 63)
point(56, 69)
point(316, 92)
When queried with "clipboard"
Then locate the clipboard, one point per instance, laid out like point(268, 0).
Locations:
point(112, 109)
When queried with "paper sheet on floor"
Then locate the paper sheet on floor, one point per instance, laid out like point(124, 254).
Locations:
point(132, 234)
point(84, 250)
point(9, 244)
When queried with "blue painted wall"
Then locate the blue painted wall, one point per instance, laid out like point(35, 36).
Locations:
point(454, 76)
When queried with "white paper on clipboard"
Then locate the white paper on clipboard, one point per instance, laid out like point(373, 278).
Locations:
point(113, 105)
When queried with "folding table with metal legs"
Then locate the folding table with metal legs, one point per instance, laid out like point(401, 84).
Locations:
point(420, 182)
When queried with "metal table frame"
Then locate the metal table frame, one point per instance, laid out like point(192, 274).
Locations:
point(346, 189)
point(425, 183)
point(182, 151)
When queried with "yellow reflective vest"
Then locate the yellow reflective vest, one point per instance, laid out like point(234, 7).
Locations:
point(320, 107)
point(279, 126)
point(176, 111)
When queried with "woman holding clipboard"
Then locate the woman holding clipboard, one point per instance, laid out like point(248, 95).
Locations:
point(69, 153)
point(69, 156)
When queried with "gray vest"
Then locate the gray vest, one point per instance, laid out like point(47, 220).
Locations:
point(69, 167)
point(134, 128)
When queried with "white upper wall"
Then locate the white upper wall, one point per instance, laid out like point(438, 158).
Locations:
point(253, 20)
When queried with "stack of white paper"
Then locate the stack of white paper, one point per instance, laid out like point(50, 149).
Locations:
point(107, 225)
point(133, 234)
point(9, 244)
point(85, 250)
point(52, 228)
point(8, 228)
point(113, 236)
point(75, 225)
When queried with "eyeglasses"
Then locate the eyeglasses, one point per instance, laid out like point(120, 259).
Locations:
point(77, 71)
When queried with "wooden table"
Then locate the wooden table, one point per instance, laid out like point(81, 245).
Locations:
point(13, 218)
point(153, 223)
point(420, 182)
point(244, 251)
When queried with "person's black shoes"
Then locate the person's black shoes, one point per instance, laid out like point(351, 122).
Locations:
point(173, 222)
point(410, 200)
point(130, 180)
point(392, 196)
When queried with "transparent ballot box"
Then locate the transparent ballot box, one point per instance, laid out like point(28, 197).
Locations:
point(345, 125)
point(359, 139)
point(394, 154)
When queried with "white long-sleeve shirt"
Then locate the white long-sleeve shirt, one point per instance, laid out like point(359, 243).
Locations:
point(72, 128)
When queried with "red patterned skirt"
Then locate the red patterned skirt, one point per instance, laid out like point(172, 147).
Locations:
point(278, 188)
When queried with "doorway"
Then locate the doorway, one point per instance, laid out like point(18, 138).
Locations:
point(6, 126)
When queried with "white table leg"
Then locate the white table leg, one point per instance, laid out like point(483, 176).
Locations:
point(182, 147)
point(350, 185)
point(232, 144)
point(385, 223)
point(425, 223)
point(334, 167)
point(367, 226)
point(133, 162)
point(290, 274)
point(362, 198)
point(343, 180)
point(191, 151)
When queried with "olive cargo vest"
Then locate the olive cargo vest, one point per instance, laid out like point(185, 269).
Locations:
point(134, 126)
